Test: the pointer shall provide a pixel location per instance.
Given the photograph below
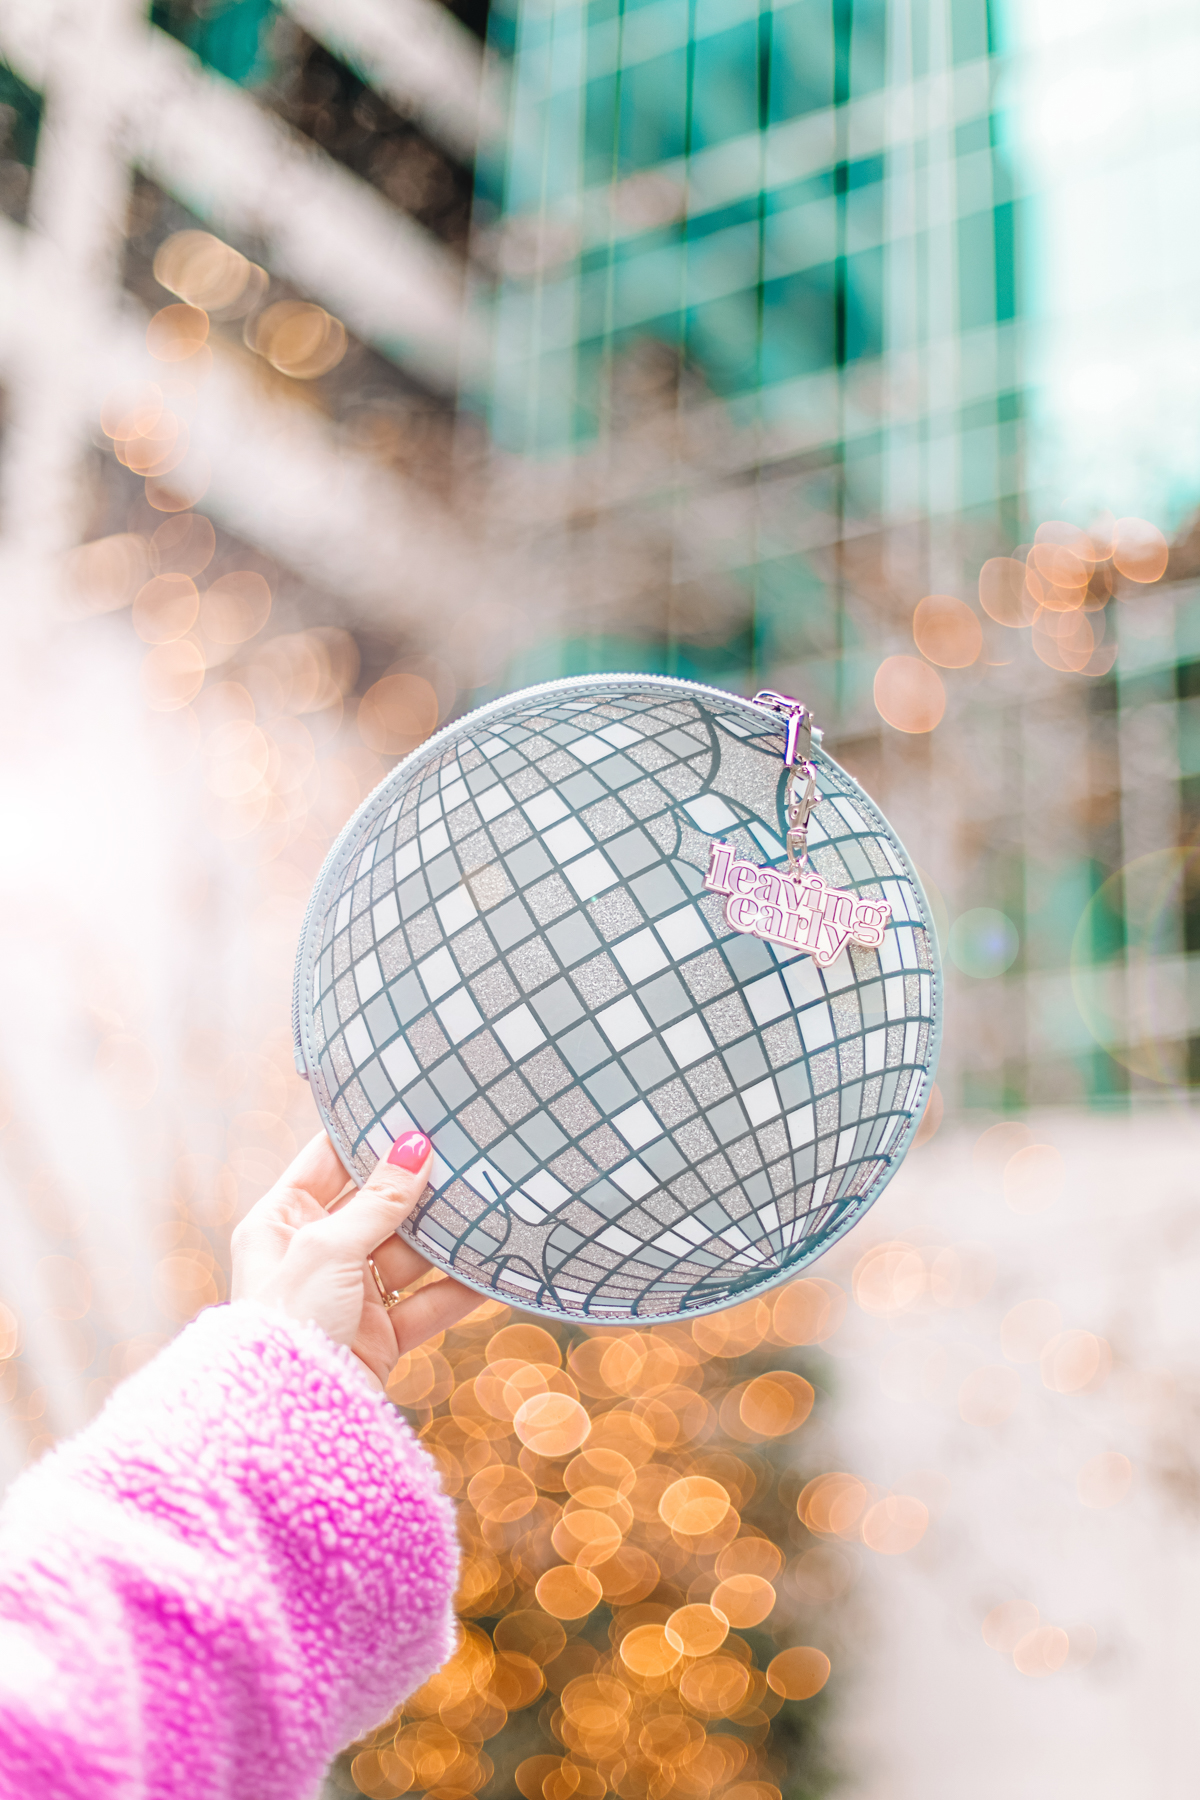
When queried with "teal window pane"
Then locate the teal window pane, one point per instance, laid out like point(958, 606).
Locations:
point(868, 44)
point(233, 39)
point(725, 85)
point(976, 270)
point(792, 609)
point(980, 467)
point(722, 336)
point(642, 288)
point(801, 61)
point(969, 28)
point(799, 334)
point(600, 129)
point(974, 136)
point(866, 172)
point(654, 111)
point(740, 212)
point(1005, 229)
point(864, 476)
point(864, 304)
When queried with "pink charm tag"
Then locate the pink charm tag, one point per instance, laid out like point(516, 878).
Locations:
point(801, 911)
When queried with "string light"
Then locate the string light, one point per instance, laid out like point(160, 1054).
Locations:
point(578, 1504)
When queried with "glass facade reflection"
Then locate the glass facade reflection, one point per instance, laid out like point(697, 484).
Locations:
point(805, 205)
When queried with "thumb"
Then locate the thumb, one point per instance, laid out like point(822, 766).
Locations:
point(373, 1214)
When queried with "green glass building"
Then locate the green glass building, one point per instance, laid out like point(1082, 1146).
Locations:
point(805, 209)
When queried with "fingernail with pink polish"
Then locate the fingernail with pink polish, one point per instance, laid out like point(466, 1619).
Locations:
point(410, 1150)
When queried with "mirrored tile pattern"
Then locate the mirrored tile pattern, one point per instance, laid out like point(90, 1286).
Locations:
point(636, 1111)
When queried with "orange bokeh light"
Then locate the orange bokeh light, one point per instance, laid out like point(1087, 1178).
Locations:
point(648, 1650)
point(551, 1424)
point(832, 1505)
point(568, 1592)
point(889, 1278)
point(745, 1600)
point(909, 695)
point(1008, 1623)
point(776, 1403)
point(1042, 1651)
point(1104, 1480)
point(176, 332)
point(1074, 1362)
point(1140, 550)
point(895, 1525)
point(397, 713)
point(1034, 1178)
point(799, 1673)
point(1004, 593)
point(946, 631)
point(808, 1311)
point(1027, 1328)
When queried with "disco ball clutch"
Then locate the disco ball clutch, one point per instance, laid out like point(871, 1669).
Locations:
point(652, 973)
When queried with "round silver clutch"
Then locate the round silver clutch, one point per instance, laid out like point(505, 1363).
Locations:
point(653, 974)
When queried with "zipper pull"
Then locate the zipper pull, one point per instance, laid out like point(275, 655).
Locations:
point(801, 794)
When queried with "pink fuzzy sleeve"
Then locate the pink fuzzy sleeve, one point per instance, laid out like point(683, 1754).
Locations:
point(243, 1563)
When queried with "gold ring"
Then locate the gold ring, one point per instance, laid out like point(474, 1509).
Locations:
point(390, 1297)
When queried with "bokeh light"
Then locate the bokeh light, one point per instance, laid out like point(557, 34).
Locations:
point(1042, 1651)
point(1034, 1178)
point(776, 1403)
point(235, 607)
point(176, 333)
point(983, 943)
point(165, 608)
point(1062, 555)
point(182, 545)
point(1003, 593)
point(808, 1311)
point(298, 339)
point(895, 1524)
point(1027, 1328)
point(208, 274)
point(397, 714)
point(1007, 1624)
point(995, 1146)
point(832, 1505)
point(909, 695)
point(1075, 1362)
point(172, 675)
point(106, 574)
point(889, 1278)
point(946, 631)
point(1105, 1480)
point(798, 1673)
point(1130, 1005)
point(630, 1573)
point(1139, 550)
point(744, 1600)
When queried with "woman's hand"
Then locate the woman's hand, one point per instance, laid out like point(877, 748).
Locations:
point(304, 1249)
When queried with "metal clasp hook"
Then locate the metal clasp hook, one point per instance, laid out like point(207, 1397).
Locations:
point(797, 752)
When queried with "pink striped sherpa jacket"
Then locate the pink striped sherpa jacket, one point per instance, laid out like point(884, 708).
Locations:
point(239, 1567)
